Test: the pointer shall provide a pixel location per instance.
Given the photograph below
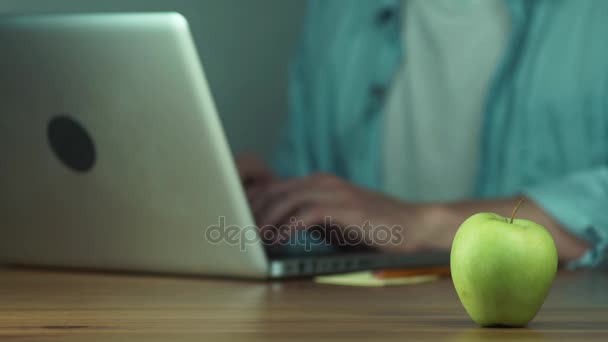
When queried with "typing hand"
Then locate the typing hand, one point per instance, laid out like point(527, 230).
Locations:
point(313, 200)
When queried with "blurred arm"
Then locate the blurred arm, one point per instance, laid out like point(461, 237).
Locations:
point(579, 202)
point(448, 217)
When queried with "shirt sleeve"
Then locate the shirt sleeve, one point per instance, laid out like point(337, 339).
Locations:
point(580, 203)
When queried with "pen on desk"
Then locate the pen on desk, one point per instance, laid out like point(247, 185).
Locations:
point(409, 272)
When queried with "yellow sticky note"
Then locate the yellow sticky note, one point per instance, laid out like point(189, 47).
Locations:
point(367, 278)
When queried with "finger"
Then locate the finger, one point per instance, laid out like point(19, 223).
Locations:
point(256, 194)
point(280, 211)
point(341, 225)
point(272, 193)
point(281, 190)
point(254, 191)
point(329, 216)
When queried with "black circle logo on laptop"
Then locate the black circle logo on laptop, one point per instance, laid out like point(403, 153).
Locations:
point(71, 143)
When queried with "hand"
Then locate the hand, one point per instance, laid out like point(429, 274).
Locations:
point(312, 200)
point(430, 226)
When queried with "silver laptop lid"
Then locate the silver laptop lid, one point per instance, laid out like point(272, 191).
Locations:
point(113, 154)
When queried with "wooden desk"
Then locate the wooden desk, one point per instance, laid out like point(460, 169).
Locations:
point(56, 306)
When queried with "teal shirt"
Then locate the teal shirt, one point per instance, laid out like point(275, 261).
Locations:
point(545, 124)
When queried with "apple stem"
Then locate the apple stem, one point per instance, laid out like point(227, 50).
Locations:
point(521, 200)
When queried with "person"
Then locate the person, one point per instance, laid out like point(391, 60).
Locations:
point(420, 113)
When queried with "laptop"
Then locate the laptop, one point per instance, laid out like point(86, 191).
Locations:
point(114, 157)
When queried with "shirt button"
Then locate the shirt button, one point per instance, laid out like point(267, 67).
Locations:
point(378, 91)
point(385, 15)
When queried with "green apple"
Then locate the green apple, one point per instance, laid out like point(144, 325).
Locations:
point(502, 269)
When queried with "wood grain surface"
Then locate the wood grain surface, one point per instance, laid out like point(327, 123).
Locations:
point(43, 305)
